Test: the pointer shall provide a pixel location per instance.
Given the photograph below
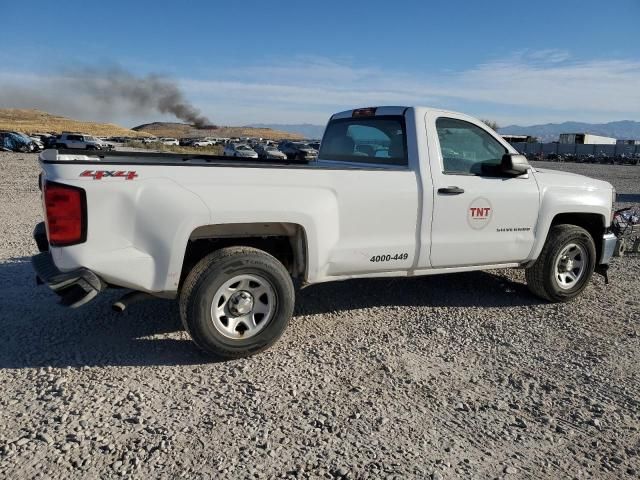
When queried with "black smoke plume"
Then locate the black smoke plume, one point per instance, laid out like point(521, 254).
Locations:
point(143, 93)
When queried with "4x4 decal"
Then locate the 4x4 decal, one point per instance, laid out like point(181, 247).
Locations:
point(100, 174)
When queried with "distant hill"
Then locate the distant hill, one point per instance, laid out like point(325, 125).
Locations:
point(307, 130)
point(35, 121)
point(550, 132)
point(183, 130)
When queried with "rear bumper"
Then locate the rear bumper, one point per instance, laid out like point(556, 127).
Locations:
point(609, 241)
point(75, 288)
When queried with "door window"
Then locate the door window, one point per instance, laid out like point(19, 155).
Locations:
point(468, 149)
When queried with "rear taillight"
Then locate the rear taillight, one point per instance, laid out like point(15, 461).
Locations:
point(66, 214)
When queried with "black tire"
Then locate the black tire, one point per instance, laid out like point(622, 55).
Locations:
point(209, 275)
point(541, 276)
point(60, 146)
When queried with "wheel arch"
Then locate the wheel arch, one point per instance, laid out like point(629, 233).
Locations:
point(285, 241)
point(594, 223)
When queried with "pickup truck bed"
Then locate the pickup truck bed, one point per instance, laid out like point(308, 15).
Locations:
point(72, 157)
point(162, 158)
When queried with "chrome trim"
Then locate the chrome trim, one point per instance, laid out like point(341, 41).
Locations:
point(609, 241)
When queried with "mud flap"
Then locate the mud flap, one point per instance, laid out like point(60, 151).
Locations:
point(603, 270)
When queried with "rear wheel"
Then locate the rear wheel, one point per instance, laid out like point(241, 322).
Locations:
point(565, 264)
point(236, 302)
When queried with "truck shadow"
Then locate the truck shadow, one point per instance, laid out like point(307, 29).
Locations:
point(36, 332)
point(471, 289)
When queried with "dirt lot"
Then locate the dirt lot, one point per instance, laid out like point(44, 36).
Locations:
point(461, 376)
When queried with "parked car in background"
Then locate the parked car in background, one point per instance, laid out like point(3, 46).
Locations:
point(169, 141)
point(17, 142)
point(35, 145)
point(50, 142)
point(149, 140)
point(201, 143)
point(45, 138)
point(269, 152)
point(38, 142)
point(298, 151)
point(239, 150)
point(79, 141)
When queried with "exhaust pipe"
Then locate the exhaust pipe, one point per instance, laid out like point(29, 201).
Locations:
point(129, 299)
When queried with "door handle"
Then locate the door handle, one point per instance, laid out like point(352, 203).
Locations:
point(451, 190)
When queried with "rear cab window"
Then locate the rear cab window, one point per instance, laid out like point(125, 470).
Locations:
point(379, 140)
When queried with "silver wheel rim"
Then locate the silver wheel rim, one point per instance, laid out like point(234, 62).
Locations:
point(243, 306)
point(571, 264)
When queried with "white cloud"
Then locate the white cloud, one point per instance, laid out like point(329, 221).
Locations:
point(549, 55)
point(526, 87)
point(606, 86)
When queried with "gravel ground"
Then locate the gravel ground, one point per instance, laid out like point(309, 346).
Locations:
point(459, 376)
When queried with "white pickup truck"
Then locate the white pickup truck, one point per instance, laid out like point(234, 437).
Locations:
point(394, 192)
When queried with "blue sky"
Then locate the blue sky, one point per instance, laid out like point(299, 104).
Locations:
point(294, 62)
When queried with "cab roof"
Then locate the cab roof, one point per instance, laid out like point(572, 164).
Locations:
point(384, 110)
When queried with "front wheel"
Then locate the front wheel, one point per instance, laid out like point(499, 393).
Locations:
point(564, 266)
point(236, 302)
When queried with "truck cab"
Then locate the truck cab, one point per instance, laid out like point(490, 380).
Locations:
point(471, 205)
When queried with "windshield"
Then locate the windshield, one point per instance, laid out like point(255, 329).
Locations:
point(242, 147)
point(378, 140)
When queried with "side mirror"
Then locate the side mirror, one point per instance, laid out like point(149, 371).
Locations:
point(514, 164)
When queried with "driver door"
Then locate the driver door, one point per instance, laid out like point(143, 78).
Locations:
point(480, 217)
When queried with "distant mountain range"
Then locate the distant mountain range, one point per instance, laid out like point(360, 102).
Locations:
point(307, 130)
point(550, 132)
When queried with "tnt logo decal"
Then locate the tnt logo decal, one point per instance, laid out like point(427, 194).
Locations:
point(479, 213)
point(100, 174)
